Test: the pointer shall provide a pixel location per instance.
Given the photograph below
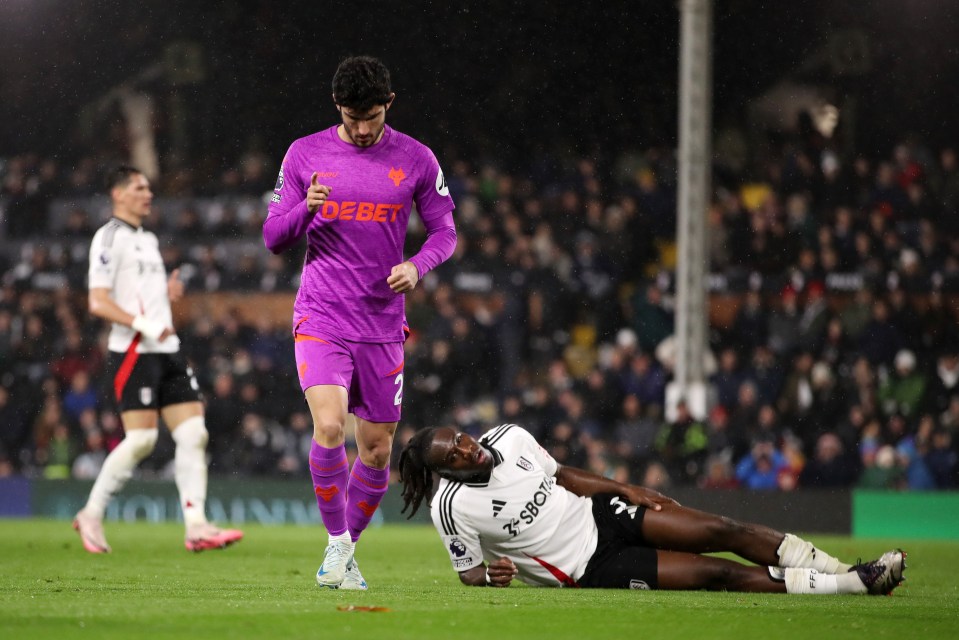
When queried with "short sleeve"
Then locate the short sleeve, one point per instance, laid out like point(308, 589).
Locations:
point(104, 260)
point(549, 464)
point(461, 542)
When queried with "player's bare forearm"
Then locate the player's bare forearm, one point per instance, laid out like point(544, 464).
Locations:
point(499, 573)
point(475, 577)
point(586, 483)
point(102, 306)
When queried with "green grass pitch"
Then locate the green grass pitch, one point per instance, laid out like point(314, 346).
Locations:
point(150, 586)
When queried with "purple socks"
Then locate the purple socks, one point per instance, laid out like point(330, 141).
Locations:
point(367, 487)
point(330, 471)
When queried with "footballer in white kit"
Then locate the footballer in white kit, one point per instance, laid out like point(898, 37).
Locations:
point(505, 509)
point(128, 287)
point(549, 533)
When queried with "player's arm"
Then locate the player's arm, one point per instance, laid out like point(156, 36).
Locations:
point(585, 483)
point(438, 247)
point(293, 205)
point(103, 306)
point(498, 573)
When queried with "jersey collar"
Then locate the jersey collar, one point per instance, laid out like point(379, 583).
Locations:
point(122, 221)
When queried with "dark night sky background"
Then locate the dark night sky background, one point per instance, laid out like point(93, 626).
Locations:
point(495, 78)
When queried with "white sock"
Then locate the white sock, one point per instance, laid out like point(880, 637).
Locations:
point(794, 552)
point(190, 470)
point(812, 582)
point(118, 468)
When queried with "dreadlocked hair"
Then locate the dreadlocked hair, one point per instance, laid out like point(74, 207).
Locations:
point(415, 474)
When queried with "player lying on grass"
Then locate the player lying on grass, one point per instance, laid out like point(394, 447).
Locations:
point(506, 509)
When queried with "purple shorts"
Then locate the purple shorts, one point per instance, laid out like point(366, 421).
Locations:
point(371, 373)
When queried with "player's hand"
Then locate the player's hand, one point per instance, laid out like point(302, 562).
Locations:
point(174, 286)
point(403, 277)
point(151, 329)
point(649, 498)
point(500, 572)
point(316, 195)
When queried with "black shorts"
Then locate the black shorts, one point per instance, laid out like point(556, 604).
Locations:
point(622, 559)
point(151, 380)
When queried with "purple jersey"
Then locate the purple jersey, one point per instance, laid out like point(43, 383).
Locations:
point(357, 236)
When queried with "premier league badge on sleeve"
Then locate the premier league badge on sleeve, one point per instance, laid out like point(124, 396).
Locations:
point(279, 181)
point(457, 548)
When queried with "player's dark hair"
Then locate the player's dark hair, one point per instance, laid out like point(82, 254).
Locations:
point(120, 175)
point(361, 83)
point(415, 473)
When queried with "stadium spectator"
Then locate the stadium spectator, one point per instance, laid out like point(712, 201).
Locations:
point(351, 291)
point(830, 466)
point(578, 529)
point(761, 467)
point(903, 391)
point(682, 445)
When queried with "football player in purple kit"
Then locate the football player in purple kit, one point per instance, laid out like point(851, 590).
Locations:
point(350, 190)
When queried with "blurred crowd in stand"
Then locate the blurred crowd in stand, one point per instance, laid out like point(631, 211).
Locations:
point(834, 345)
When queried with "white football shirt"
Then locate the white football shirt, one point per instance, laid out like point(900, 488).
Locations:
point(521, 513)
point(126, 260)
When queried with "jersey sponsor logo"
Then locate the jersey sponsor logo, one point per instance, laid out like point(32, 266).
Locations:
point(279, 181)
point(360, 211)
point(327, 174)
point(397, 175)
point(457, 548)
point(639, 584)
point(498, 506)
point(532, 508)
point(524, 464)
point(441, 187)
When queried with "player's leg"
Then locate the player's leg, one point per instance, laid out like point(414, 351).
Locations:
point(678, 570)
point(328, 464)
point(678, 528)
point(325, 370)
point(136, 378)
point(624, 558)
point(370, 475)
point(690, 571)
point(140, 437)
point(376, 396)
point(188, 430)
point(329, 469)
